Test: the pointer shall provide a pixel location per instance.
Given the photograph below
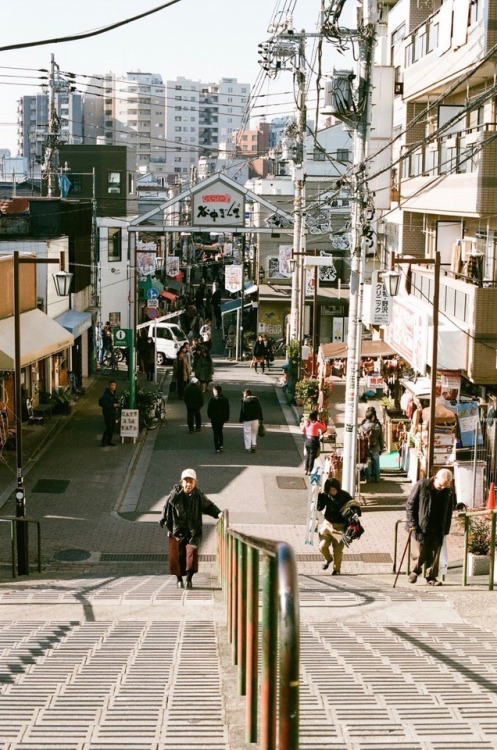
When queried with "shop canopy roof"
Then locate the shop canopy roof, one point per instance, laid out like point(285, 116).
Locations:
point(41, 336)
point(339, 350)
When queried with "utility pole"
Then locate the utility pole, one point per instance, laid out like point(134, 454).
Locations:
point(358, 261)
point(50, 161)
point(299, 195)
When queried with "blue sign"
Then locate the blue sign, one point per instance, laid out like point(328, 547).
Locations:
point(152, 293)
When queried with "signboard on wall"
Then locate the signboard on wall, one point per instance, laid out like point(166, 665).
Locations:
point(233, 278)
point(130, 423)
point(218, 204)
point(408, 333)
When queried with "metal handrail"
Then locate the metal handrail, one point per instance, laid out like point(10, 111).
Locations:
point(493, 525)
point(238, 564)
point(13, 520)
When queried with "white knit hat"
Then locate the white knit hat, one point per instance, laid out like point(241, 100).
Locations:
point(189, 474)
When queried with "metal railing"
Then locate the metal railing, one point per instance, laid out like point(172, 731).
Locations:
point(493, 525)
point(13, 520)
point(240, 572)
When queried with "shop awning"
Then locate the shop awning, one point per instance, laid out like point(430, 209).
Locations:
point(339, 350)
point(233, 306)
point(74, 321)
point(41, 336)
point(169, 295)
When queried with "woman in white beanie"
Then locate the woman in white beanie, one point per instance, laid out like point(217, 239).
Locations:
point(182, 516)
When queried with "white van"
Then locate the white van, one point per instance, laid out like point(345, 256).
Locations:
point(170, 338)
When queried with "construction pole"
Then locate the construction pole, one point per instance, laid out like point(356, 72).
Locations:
point(53, 131)
point(358, 260)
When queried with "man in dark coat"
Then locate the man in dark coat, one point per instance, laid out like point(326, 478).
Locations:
point(218, 411)
point(110, 403)
point(332, 501)
point(194, 401)
point(182, 516)
point(250, 417)
point(429, 515)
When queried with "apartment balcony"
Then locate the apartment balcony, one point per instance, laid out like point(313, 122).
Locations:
point(446, 45)
point(467, 339)
point(452, 174)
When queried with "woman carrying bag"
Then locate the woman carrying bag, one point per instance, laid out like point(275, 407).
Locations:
point(313, 430)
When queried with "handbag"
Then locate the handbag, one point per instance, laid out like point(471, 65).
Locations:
point(261, 431)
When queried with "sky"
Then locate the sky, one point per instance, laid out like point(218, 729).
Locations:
point(200, 39)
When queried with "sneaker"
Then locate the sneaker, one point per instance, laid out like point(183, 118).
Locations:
point(218, 451)
point(221, 448)
point(252, 450)
point(326, 565)
point(412, 578)
point(335, 572)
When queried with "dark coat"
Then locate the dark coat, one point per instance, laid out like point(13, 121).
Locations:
point(332, 505)
point(107, 401)
point(250, 409)
point(193, 397)
point(420, 513)
point(259, 349)
point(183, 513)
point(218, 409)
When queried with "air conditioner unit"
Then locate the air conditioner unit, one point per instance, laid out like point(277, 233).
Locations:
point(425, 4)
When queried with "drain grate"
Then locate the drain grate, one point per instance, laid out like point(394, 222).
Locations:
point(291, 483)
point(72, 555)
point(51, 486)
point(365, 557)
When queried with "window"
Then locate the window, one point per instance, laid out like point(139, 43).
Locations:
point(114, 244)
point(114, 182)
point(343, 154)
point(318, 155)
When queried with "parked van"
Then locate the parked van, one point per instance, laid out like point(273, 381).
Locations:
point(170, 338)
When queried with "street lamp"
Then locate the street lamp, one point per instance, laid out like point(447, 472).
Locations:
point(392, 281)
point(20, 497)
point(62, 281)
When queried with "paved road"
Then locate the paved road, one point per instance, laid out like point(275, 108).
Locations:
point(101, 651)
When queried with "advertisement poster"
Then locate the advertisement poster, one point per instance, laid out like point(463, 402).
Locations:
point(469, 423)
point(233, 278)
point(285, 253)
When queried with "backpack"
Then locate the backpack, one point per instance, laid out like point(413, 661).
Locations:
point(101, 401)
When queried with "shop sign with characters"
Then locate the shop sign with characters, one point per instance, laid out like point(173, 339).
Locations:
point(218, 205)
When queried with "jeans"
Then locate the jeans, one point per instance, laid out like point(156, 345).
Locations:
point(217, 429)
point(373, 468)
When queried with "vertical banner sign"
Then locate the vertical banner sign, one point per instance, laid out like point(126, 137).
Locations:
point(381, 303)
point(172, 265)
point(284, 255)
point(233, 279)
point(310, 282)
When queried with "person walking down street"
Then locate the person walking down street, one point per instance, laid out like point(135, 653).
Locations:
point(181, 372)
point(429, 515)
point(182, 517)
point(332, 501)
point(149, 358)
point(218, 411)
point(110, 403)
point(231, 343)
point(216, 306)
point(268, 350)
point(258, 353)
point(206, 334)
point(250, 416)
point(204, 369)
point(312, 429)
point(371, 428)
point(194, 401)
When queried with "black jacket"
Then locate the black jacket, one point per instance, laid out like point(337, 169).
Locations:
point(218, 409)
point(193, 396)
point(183, 513)
point(421, 514)
point(332, 505)
point(107, 401)
point(250, 409)
point(259, 349)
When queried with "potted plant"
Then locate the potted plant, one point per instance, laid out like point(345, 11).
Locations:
point(478, 546)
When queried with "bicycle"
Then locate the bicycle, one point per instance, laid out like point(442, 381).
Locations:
point(109, 363)
point(151, 407)
point(153, 412)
